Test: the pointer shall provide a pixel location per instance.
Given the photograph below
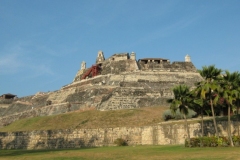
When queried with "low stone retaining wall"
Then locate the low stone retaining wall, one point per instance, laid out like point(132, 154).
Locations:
point(162, 134)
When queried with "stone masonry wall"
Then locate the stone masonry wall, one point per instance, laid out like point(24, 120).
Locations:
point(106, 92)
point(167, 66)
point(25, 104)
point(118, 67)
point(162, 134)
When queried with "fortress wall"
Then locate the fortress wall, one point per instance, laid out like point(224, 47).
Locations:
point(188, 78)
point(157, 81)
point(86, 82)
point(156, 76)
point(60, 96)
point(120, 56)
point(143, 89)
point(186, 66)
point(114, 65)
point(167, 67)
point(87, 98)
point(106, 92)
point(118, 66)
point(165, 133)
point(24, 104)
point(6, 101)
point(91, 96)
point(162, 66)
point(4, 106)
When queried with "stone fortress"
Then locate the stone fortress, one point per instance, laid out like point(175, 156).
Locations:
point(118, 82)
point(121, 82)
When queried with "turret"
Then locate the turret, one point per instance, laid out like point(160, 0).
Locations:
point(100, 57)
point(133, 56)
point(187, 58)
point(83, 65)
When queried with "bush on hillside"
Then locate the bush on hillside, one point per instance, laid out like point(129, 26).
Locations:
point(178, 115)
point(120, 142)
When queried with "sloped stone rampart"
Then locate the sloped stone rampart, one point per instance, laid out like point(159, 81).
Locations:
point(41, 111)
point(24, 104)
point(161, 134)
point(106, 92)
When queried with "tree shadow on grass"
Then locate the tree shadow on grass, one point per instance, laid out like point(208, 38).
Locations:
point(18, 152)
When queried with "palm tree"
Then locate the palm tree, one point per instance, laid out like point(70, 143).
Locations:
point(230, 93)
point(234, 80)
point(237, 102)
point(228, 96)
point(199, 101)
point(210, 87)
point(180, 101)
point(210, 73)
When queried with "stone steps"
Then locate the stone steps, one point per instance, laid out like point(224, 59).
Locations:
point(123, 99)
point(119, 102)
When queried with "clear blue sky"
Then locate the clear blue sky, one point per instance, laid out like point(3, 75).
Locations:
point(43, 42)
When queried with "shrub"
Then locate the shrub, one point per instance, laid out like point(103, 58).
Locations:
point(236, 140)
point(178, 115)
point(220, 141)
point(167, 115)
point(195, 141)
point(120, 142)
point(211, 141)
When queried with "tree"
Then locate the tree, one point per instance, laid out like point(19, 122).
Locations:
point(228, 96)
point(199, 101)
point(237, 102)
point(210, 73)
point(180, 101)
point(233, 80)
point(230, 93)
point(209, 88)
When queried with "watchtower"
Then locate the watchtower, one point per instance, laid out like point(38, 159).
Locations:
point(133, 56)
point(100, 57)
point(83, 65)
point(187, 58)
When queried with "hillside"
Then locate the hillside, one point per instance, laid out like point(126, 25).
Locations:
point(90, 119)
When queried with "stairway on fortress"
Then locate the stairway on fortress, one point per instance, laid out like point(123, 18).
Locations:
point(121, 102)
point(123, 98)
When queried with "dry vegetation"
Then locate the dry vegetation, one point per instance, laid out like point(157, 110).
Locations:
point(91, 119)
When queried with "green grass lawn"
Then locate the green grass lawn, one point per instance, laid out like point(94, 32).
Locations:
point(127, 153)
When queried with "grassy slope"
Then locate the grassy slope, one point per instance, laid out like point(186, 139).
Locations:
point(90, 119)
point(127, 153)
